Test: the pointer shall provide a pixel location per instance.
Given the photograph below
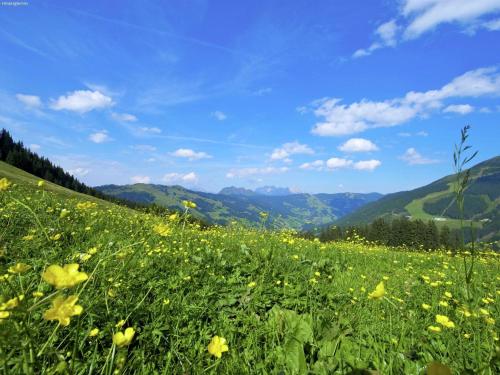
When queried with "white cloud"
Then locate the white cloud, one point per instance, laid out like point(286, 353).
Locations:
point(422, 133)
point(385, 36)
point(140, 179)
point(219, 115)
point(338, 163)
point(493, 25)
point(123, 117)
point(290, 148)
point(316, 165)
point(82, 101)
point(188, 178)
point(246, 172)
point(413, 157)
point(418, 17)
point(367, 165)
point(428, 14)
point(99, 137)
point(461, 109)
point(153, 130)
point(342, 119)
point(190, 154)
point(32, 101)
point(79, 172)
point(358, 145)
point(34, 147)
point(333, 164)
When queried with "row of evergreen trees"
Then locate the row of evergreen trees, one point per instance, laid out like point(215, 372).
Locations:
point(398, 232)
point(16, 154)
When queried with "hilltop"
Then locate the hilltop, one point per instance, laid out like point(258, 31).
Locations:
point(435, 201)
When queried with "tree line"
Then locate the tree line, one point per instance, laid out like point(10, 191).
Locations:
point(395, 233)
point(17, 155)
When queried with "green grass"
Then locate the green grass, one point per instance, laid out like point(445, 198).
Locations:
point(416, 209)
point(284, 304)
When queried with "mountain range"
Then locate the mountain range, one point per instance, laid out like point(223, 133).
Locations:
point(285, 208)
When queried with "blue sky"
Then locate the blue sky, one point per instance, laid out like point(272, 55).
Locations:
point(353, 96)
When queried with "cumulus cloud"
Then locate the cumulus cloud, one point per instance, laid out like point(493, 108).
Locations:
point(367, 165)
point(123, 117)
point(82, 101)
point(188, 178)
point(316, 165)
point(190, 154)
point(461, 109)
point(140, 179)
point(31, 101)
point(342, 119)
point(413, 157)
point(246, 172)
point(334, 163)
point(99, 137)
point(338, 163)
point(219, 115)
point(358, 145)
point(290, 148)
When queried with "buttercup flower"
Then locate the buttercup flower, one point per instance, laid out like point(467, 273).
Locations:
point(162, 229)
point(94, 332)
point(63, 309)
point(445, 321)
point(218, 346)
point(189, 204)
point(379, 291)
point(4, 184)
point(123, 338)
point(434, 328)
point(41, 183)
point(64, 277)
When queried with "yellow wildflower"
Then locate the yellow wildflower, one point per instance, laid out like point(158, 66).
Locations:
point(162, 229)
point(443, 303)
point(426, 306)
point(252, 284)
point(123, 338)
point(445, 321)
point(64, 277)
point(489, 320)
point(37, 294)
point(64, 213)
point(11, 303)
point(218, 346)
point(189, 204)
point(94, 332)
point(41, 183)
point(4, 184)
point(19, 268)
point(62, 309)
point(120, 324)
point(448, 295)
point(434, 329)
point(379, 291)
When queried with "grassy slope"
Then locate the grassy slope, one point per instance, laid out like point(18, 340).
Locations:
point(308, 309)
point(413, 202)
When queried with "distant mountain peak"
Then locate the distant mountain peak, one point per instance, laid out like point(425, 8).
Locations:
point(233, 190)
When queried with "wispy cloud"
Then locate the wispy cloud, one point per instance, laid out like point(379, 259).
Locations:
point(291, 148)
point(219, 115)
point(99, 137)
point(190, 154)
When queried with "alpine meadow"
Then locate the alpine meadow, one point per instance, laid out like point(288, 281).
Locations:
point(218, 187)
